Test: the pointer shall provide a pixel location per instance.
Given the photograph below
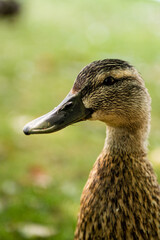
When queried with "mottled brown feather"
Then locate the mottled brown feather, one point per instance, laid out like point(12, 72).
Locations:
point(121, 199)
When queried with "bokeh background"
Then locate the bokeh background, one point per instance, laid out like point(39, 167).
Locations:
point(42, 49)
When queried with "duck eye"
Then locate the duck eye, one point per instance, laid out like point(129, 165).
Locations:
point(109, 81)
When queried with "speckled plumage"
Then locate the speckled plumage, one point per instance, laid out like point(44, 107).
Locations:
point(121, 199)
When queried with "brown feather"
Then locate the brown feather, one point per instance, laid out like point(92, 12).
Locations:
point(121, 199)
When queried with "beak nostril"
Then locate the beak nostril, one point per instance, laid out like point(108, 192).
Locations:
point(67, 106)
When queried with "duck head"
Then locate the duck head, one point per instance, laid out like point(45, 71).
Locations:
point(109, 90)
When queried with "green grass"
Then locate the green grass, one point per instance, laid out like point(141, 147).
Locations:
point(41, 177)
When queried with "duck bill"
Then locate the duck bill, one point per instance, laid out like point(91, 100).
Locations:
point(69, 111)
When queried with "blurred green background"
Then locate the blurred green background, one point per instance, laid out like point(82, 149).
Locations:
point(41, 52)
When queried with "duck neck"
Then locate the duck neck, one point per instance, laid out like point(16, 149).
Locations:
point(123, 140)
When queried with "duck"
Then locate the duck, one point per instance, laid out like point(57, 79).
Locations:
point(121, 199)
